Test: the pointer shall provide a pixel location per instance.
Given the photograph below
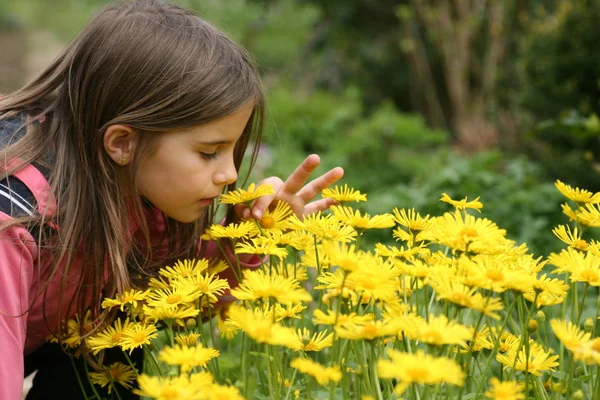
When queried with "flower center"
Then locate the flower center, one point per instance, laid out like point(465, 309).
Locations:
point(267, 222)
point(495, 274)
point(174, 298)
point(469, 232)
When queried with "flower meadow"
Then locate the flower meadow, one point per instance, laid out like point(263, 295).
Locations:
point(449, 308)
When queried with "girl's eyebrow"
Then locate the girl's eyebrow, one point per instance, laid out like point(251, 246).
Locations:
point(215, 142)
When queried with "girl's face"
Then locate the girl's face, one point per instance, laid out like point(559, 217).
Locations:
point(190, 167)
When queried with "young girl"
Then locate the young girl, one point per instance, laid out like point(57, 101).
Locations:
point(110, 164)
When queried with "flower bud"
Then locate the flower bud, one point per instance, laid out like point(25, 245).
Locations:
point(588, 325)
point(190, 323)
point(578, 395)
point(541, 316)
point(532, 326)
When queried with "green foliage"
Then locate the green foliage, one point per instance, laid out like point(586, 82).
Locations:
point(513, 191)
point(559, 60)
point(567, 148)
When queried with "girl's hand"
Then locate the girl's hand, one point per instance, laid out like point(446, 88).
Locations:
point(294, 191)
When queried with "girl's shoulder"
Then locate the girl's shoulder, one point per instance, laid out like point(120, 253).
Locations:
point(21, 193)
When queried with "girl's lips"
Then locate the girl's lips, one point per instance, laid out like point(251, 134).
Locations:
point(208, 201)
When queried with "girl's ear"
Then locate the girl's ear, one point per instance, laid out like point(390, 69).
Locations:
point(120, 142)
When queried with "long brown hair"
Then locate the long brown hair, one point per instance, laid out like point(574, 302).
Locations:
point(152, 66)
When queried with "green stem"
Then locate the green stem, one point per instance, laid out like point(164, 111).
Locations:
point(83, 391)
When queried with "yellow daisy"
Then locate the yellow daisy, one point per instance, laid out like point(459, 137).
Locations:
point(177, 387)
point(168, 313)
point(240, 196)
point(136, 336)
point(576, 194)
point(276, 219)
point(109, 337)
point(208, 286)
point(191, 339)
point(316, 342)
point(538, 361)
point(117, 372)
point(369, 330)
point(589, 215)
point(259, 285)
point(462, 204)
point(573, 239)
point(438, 330)
point(262, 329)
point(173, 297)
point(420, 368)
point(508, 390)
point(343, 194)
point(184, 268)
point(324, 227)
point(329, 318)
point(129, 298)
point(262, 246)
point(246, 229)
point(187, 357)
point(569, 334)
point(323, 375)
point(412, 220)
point(359, 221)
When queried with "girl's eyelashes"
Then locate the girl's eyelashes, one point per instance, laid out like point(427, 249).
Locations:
point(209, 156)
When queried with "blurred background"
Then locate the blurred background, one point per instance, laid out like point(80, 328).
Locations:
point(490, 98)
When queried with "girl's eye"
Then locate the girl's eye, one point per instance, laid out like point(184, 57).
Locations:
point(209, 156)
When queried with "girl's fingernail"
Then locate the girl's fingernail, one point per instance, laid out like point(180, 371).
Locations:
point(247, 214)
point(257, 214)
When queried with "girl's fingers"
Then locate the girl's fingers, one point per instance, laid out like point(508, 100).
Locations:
point(260, 205)
point(242, 211)
point(310, 191)
point(297, 179)
point(318, 205)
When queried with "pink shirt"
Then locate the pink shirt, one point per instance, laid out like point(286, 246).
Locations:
point(23, 329)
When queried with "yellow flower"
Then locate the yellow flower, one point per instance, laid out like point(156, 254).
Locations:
point(573, 239)
point(537, 362)
point(178, 387)
point(582, 267)
point(343, 194)
point(412, 220)
point(185, 268)
point(173, 297)
point(299, 240)
point(261, 329)
point(336, 285)
point(464, 296)
point(137, 335)
point(358, 221)
point(223, 392)
point(324, 227)
point(259, 285)
point(109, 337)
point(375, 280)
point(316, 342)
point(191, 339)
point(369, 330)
point(117, 372)
point(400, 252)
point(208, 286)
point(589, 215)
point(276, 220)
point(323, 375)
point(508, 390)
point(438, 330)
point(187, 357)
point(167, 313)
point(569, 334)
point(569, 212)
point(262, 246)
point(319, 317)
point(420, 368)
point(576, 194)
point(130, 297)
point(246, 229)
point(240, 196)
point(465, 232)
point(290, 311)
point(462, 204)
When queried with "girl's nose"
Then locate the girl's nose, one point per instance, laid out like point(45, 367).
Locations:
point(226, 174)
